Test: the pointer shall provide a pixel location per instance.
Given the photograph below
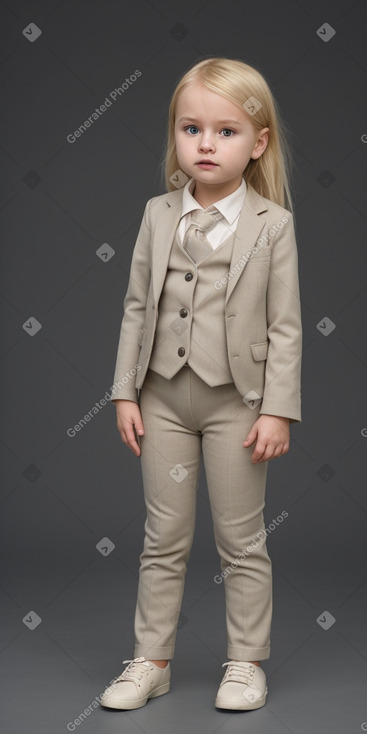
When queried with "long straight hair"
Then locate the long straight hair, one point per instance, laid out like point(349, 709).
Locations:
point(236, 81)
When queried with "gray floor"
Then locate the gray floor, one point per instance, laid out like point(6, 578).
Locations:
point(316, 676)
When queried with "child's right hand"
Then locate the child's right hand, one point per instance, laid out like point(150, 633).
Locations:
point(128, 415)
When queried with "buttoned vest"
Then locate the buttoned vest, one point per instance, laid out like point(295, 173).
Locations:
point(191, 326)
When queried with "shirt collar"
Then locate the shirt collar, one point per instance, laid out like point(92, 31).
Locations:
point(230, 206)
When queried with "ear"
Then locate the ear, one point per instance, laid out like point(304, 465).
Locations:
point(261, 143)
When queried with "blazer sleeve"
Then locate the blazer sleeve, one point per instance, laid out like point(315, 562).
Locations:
point(282, 389)
point(135, 302)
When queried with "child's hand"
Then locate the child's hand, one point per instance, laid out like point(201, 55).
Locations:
point(128, 415)
point(272, 433)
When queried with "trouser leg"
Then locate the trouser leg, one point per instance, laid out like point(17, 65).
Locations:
point(170, 459)
point(236, 489)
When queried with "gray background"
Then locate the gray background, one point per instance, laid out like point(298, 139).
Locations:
point(61, 495)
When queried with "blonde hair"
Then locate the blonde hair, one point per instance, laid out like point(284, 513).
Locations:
point(236, 81)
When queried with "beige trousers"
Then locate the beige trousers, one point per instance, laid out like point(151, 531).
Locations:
point(182, 417)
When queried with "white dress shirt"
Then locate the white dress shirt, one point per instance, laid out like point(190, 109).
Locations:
point(230, 208)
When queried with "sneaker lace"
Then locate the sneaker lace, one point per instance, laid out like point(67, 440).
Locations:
point(135, 670)
point(240, 672)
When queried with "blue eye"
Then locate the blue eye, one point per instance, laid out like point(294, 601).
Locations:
point(190, 126)
point(228, 129)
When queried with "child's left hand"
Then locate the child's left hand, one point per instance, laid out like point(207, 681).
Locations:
point(272, 434)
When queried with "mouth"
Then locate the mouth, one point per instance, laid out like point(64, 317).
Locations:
point(206, 162)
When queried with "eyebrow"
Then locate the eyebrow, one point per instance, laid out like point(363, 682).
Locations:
point(221, 122)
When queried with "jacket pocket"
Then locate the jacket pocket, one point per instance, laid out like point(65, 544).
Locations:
point(259, 350)
point(263, 254)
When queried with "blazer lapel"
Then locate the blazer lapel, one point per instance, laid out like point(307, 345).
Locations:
point(248, 230)
point(166, 222)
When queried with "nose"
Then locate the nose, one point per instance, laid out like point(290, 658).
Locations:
point(206, 143)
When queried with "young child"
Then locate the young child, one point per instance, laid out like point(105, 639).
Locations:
point(209, 360)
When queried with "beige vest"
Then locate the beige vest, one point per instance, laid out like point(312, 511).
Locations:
point(191, 326)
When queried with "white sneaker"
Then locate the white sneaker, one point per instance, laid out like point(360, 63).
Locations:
point(243, 687)
point(139, 681)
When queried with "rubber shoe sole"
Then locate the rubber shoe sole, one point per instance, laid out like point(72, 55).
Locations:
point(239, 706)
point(128, 705)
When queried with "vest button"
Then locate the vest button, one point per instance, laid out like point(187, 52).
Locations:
point(189, 276)
point(183, 312)
point(181, 351)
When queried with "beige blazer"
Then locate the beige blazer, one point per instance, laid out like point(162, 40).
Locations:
point(262, 305)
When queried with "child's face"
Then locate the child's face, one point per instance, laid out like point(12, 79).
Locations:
point(203, 130)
